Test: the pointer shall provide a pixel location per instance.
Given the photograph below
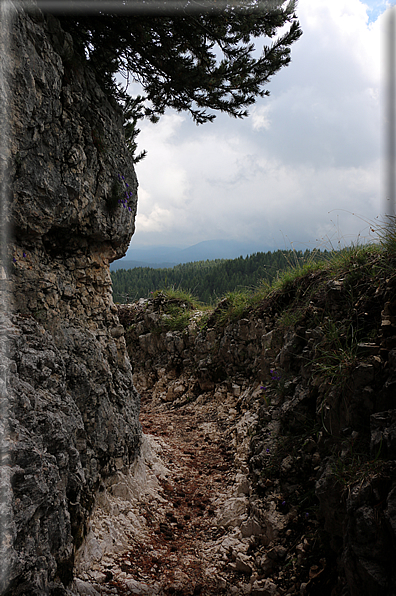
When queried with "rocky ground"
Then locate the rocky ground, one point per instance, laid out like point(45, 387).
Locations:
point(187, 520)
point(268, 460)
point(189, 491)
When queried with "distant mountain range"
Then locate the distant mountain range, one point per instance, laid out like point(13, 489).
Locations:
point(168, 256)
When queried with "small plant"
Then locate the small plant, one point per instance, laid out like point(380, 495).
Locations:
point(232, 307)
point(202, 322)
point(386, 233)
point(177, 306)
point(172, 293)
point(275, 376)
point(127, 195)
point(265, 396)
point(14, 260)
point(356, 469)
point(120, 194)
point(335, 354)
point(177, 318)
point(290, 317)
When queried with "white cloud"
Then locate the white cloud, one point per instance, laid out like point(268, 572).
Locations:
point(303, 168)
point(260, 117)
point(157, 220)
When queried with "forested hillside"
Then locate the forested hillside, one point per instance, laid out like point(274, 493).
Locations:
point(209, 280)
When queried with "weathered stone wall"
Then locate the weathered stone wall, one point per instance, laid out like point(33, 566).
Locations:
point(72, 406)
point(182, 364)
point(322, 453)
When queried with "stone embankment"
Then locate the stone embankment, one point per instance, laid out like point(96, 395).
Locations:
point(320, 431)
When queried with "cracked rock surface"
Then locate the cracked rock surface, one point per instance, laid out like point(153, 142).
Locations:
point(69, 410)
point(180, 522)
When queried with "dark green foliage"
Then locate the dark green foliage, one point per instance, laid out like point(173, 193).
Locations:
point(196, 57)
point(113, 199)
point(133, 110)
point(208, 280)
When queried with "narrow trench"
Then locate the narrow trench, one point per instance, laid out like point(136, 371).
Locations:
point(171, 559)
point(187, 523)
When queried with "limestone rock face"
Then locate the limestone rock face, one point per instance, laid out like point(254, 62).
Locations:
point(71, 413)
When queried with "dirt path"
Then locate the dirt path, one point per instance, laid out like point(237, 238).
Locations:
point(200, 468)
point(183, 546)
point(185, 521)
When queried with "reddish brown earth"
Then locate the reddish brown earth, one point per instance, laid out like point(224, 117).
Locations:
point(174, 544)
point(183, 547)
point(200, 465)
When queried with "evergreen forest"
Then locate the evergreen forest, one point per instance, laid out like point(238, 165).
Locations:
point(209, 281)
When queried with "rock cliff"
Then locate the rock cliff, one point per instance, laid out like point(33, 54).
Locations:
point(70, 417)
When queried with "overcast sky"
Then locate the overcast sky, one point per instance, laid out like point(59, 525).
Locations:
point(304, 169)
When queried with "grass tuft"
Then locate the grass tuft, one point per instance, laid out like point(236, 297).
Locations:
point(179, 294)
point(178, 306)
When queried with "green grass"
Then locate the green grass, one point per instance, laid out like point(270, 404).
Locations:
point(337, 353)
point(178, 305)
point(386, 232)
point(290, 317)
point(287, 279)
point(171, 293)
point(178, 319)
point(233, 306)
point(356, 469)
point(352, 264)
point(237, 304)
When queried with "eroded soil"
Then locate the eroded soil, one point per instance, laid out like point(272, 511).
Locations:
point(186, 520)
point(178, 531)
